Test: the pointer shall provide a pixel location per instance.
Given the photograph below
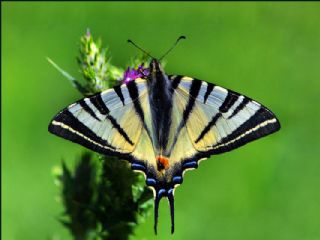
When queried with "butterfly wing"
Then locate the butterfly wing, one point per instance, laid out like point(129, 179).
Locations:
point(116, 122)
point(218, 120)
point(111, 122)
point(205, 120)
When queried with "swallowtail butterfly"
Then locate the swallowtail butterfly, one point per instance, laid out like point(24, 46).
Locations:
point(163, 125)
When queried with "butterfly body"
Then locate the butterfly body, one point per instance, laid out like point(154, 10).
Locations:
point(160, 97)
point(163, 125)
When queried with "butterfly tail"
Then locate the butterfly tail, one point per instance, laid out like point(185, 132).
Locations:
point(171, 203)
point(156, 210)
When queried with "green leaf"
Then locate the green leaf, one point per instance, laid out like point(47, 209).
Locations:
point(73, 80)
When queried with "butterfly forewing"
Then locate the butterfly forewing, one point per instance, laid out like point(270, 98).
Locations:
point(106, 122)
point(219, 119)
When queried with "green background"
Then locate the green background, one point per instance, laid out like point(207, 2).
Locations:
point(268, 189)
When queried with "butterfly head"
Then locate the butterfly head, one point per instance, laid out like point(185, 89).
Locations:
point(155, 66)
point(156, 73)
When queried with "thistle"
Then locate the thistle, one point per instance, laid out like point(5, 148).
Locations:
point(103, 198)
point(131, 74)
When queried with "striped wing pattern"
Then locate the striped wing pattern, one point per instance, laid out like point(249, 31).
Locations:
point(205, 119)
point(111, 122)
point(217, 119)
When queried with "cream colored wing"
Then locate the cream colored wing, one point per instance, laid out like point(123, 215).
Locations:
point(215, 119)
point(114, 122)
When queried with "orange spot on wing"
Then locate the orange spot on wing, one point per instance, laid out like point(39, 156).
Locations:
point(163, 161)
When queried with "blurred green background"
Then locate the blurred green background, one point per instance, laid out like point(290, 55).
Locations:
point(268, 189)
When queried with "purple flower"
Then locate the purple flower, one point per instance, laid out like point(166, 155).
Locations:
point(132, 74)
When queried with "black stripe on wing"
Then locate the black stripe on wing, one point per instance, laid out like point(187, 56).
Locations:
point(103, 109)
point(193, 94)
point(212, 122)
point(116, 125)
point(69, 127)
point(118, 91)
point(85, 106)
point(175, 81)
point(244, 102)
point(262, 123)
point(208, 92)
point(134, 94)
point(228, 101)
point(99, 104)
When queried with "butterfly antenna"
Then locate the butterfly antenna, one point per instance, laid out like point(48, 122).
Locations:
point(171, 203)
point(141, 49)
point(173, 46)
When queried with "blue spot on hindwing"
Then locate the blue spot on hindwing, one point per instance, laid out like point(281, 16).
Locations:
point(161, 192)
point(192, 164)
point(138, 166)
point(177, 180)
point(151, 182)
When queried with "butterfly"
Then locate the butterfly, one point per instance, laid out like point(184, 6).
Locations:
point(164, 125)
